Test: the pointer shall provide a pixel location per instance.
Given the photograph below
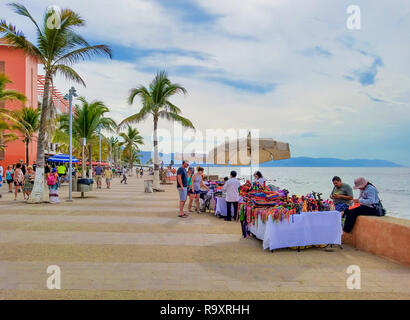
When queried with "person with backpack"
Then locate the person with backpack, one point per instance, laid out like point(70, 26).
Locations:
point(368, 204)
point(53, 184)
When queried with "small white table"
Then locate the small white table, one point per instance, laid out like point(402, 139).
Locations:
point(305, 229)
point(221, 207)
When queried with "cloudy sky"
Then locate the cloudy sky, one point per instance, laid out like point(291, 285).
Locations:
point(290, 68)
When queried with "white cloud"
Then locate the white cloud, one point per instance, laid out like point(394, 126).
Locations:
point(261, 42)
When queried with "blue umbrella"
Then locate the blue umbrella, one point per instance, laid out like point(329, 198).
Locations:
point(62, 158)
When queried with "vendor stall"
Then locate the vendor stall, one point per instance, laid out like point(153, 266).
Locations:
point(282, 221)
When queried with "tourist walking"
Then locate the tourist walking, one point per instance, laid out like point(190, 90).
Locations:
point(124, 175)
point(141, 172)
point(9, 177)
point(108, 176)
point(231, 187)
point(62, 172)
point(368, 204)
point(53, 185)
point(18, 180)
point(98, 175)
point(182, 183)
point(28, 182)
point(197, 182)
point(23, 167)
point(342, 194)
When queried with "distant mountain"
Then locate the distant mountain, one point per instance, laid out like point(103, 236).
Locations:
point(297, 162)
point(329, 162)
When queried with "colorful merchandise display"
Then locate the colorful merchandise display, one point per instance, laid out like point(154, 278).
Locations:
point(259, 200)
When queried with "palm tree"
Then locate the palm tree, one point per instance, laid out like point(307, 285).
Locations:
point(27, 122)
point(115, 148)
point(131, 158)
point(131, 143)
point(5, 138)
point(155, 102)
point(7, 95)
point(86, 120)
point(57, 49)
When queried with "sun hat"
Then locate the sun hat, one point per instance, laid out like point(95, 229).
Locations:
point(360, 183)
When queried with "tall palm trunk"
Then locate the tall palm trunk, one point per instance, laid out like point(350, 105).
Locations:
point(156, 156)
point(27, 155)
point(131, 163)
point(37, 195)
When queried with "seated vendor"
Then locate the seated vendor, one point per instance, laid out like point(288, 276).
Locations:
point(368, 201)
point(342, 194)
point(259, 178)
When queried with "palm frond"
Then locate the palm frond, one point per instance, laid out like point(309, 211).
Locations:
point(22, 11)
point(68, 73)
point(13, 37)
point(85, 53)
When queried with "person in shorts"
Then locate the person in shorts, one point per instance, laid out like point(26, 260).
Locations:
point(182, 182)
point(98, 175)
point(9, 177)
point(197, 182)
point(18, 180)
point(108, 176)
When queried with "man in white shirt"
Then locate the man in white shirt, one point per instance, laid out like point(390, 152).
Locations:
point(232, 195)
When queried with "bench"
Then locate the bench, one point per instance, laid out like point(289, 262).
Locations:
point(383, 236)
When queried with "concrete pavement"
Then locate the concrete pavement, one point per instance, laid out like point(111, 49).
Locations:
point(125, 244)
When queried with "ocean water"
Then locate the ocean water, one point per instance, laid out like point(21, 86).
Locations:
point(393, 183)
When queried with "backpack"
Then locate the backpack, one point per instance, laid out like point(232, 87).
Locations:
point(51, 180)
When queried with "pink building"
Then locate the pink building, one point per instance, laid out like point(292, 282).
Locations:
point(22, 70)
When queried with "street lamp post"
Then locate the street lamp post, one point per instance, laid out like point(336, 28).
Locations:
point(99, 143)
point(72, 93)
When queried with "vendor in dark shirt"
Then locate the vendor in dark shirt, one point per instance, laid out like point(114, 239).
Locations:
point(342, 194)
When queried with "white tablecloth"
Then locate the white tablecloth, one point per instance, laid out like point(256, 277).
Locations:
point(261, 231)
point(307, 228)
point(221, 207)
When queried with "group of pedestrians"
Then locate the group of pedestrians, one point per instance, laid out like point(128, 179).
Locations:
point(106, 172)
point(21, 177)
point(189, 184)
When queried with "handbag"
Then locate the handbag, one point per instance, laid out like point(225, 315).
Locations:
point(380, 209)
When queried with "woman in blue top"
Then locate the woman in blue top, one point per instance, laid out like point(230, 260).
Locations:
point(369, 201)
point(9, 178)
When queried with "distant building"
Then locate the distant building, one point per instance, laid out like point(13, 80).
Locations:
point(22, 70)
